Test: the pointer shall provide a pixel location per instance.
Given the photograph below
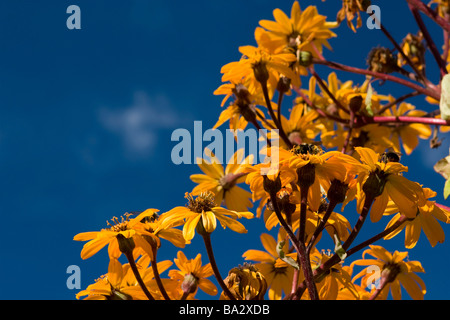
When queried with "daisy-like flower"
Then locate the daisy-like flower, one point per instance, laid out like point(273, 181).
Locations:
point(243, 109)
point(301, 31)
point(426, 220)
point(394, 273)
point(316, 169)
point(382, 181)
point(245, 283)
point(223, 183)
point(278, 274)
point(158, 228)
point(300, 127)
point(126, 228)
point(120, 283)
point(258, 67)
point(203, 213)
point(407, 135)
point(334, 280)
point(193, 275)
point(355, 292)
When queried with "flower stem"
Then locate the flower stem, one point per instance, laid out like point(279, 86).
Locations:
point(357, 228)
point(184, 296)
point(434, 50)
point(157, 277)
point(301, 251)
point(321, 225)
point(273, 116)
point(207, 240)
point(362, 121)
point(396, 101)
point(133, 266)
point(327, 90)
point(419, 5)
point(381, 285)
point(377, 237)
point(387, 77)
point(303, 203)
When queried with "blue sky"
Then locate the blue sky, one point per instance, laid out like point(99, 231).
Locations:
point(86, 118)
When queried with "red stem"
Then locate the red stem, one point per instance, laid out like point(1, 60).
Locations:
point(430, 13)
point(387, 77)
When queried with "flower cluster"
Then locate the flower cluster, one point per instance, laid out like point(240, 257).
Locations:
point(338, 159)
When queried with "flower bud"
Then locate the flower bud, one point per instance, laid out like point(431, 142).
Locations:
point(126, 245)
point(306, 176)
point(304, 58)
point(189, 284)
point(284, 84)
point(374, 185)
point(355, 103)
point(337, 191)
point(390, 272)
point(272, 186)
point(261, 73)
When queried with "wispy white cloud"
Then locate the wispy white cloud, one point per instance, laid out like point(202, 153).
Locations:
point(138, 125)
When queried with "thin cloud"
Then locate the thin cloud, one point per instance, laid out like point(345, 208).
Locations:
point(138, 125)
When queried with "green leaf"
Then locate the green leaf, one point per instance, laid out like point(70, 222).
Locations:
point(368, 101)
point(447, 189)
point(444, 104)
point(338, 247)
point(285, 258)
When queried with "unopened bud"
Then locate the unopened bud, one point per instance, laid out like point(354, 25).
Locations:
point(272, 186)
point(355, 103)
point(304, 58)
point(374, 185)
point(189, 284)
point(261, 73)
point(306, 176)
point(126, 245)
point(337, 191)
point(284, 84)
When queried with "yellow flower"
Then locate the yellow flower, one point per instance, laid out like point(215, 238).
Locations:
point(203, 213)
point(243, 109)
point(334, 280)
point(383, 181)
point(127, 228)
point(157, 228)
point(278, 274)
point(245, 283)
point(408, 134)
point(257, 66)
point(300, 127)
point(271, 171)
point(193, 275)
point(394, 272)
point(120, 283)
point(223, 183)
point(316, 169)
point(300, 31)
point(426, 220)
point(355, 292)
